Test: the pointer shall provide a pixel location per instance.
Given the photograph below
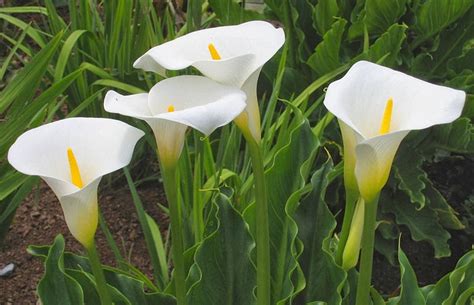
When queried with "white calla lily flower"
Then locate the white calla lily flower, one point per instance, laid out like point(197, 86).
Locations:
point(232, 55)
point(72, 155)
point(376, 108)
point(176, 103)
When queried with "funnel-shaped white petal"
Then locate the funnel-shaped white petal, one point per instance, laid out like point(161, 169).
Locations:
point(100, 146)
point(243, 50)
point(359, 100)
point(176, 103)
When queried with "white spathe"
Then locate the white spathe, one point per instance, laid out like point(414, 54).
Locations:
point(100, 146)
point(358, 100)
point(176, 103)
point(243, 50)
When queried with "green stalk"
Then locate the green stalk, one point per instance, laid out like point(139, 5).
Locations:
point(263, 231)
point(171, 189)
point(365, 269)
point(351, 198)
point(98, 274)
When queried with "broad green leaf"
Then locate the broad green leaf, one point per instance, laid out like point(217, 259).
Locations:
point(126, 289)
point(464, 62)
point(323, 15)
point(411, 177)
point(447, 215)
point(326, 55)
point(410, 293)
point(435, 15)
point(446, 289)
point(386, 238)
point(388, 44)
point(448, 45)
point(381, 14)
point(285, 177)
point(316, 225)
point(423, 223)
point(56, 287)
point(223, 272)
point(455, 137)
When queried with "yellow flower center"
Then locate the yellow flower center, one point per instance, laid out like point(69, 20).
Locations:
point(387, 117)
point(214, 54)
point(74, 168)
point(170, 108)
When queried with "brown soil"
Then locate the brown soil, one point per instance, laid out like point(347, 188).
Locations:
point(39, 219)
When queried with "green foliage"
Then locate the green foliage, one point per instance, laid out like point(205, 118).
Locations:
point(61, 268)
point(316, 227)
point(56, 287)
point(223, 271)
point(69, 63)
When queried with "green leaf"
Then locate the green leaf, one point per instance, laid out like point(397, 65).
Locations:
point(446, 47)
point(22, 87)
point(24, 10)
point(456, 283)
point(9, 204)
point(456, 137)
point(285, 180)
point(126, 289)
point(56, 287)
point(388, 44)
point(381, 14)
point(66, 52)
point(32, 32)
point(377, 299)
point(410, 293)
point(326, 55)
point(17, 123)
point(231, 12)
point(423, 224)
point(447, 215)
point(323, 15)
point(118, 85)
point(411, 177)
point(223, 269)
point(316, 225)
point(435, 15)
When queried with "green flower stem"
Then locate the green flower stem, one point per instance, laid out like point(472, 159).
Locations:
point(351, 198)
point(98, 274)
point(365, 269)
point(262, 227)
point(171, 189)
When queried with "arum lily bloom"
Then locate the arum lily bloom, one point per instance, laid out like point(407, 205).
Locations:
point(169, 108)
point(72, 155)
point(232, 55)
point(376, 108)
point(176, 103)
